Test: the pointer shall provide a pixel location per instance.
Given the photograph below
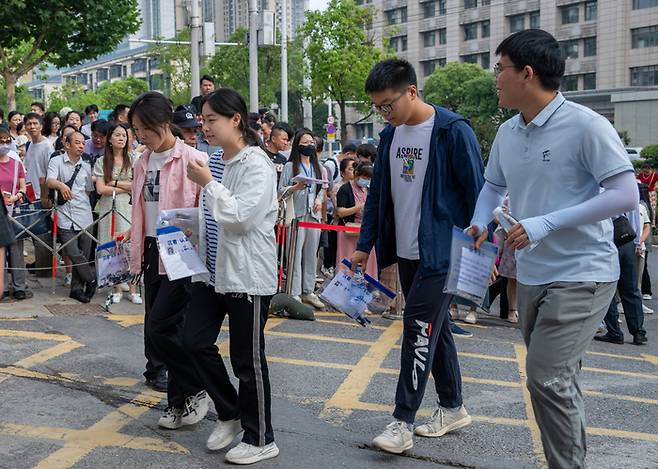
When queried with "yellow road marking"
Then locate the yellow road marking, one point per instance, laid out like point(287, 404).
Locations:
point(352, 388)
point(34, 335)
point(614, 355)
point(650, 358)
point(323, 338)
point(79, 443)
point(532, 423)
point(621, 397)
point(126, 320)
point(349, 324)
point(621, 373)
point(16, 319)
point(48, 354)
point(622, 434)
point(297, 362)
point(118, 381)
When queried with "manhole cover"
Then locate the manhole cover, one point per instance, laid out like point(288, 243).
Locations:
point(90, 309)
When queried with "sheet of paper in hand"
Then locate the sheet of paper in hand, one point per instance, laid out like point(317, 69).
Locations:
point(308, 180)
point(470, 269)
point(187, 219)
point(112, 264)
point(178, 256)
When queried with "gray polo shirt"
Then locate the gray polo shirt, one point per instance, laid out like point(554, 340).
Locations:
point(557, 161)
point(77, 209)
point(36, 163)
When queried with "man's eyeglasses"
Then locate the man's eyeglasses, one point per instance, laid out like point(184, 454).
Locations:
point(386, 108)
point(498, 69)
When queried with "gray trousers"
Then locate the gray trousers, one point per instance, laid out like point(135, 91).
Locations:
point(306, 259)
point(558, 322)
point(17, 266)
point(79, 251)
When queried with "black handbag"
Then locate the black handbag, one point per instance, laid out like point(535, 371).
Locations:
point(624, 232)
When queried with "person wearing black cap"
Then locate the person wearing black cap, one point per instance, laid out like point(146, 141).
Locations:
point(185, 120)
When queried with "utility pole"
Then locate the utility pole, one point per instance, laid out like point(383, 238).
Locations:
point(284, 60)
point(306, 103)
point(195, 40)
point(253, 55)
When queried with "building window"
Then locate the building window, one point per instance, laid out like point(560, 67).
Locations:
point(570, 49)
point(486, 28)
point(570, 14)
point(570, 83)
point(115, 71)
point(470, 31)
point(138, 65)
point(364, 131)
point(82, 79)
point(485, 2)
point(429, 38)
point(470, 4)
point(516, 23)
point(644, 37)
point(589, 46)
point(534, 20)
point(591, 12)
point(429, 9)
point(154, 62)
point(398, 44)
point(644, 76)
point(485, 60)
point(430, 65)
point(442, 7)
point(638, 4)
point(589, 81)
point(443, 36)
point(470, 58)
point(398, 15)
point(102, 74)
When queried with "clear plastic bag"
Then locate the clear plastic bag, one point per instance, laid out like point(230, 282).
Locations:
point(112, 264)
point(353, 292)
point(470, 269)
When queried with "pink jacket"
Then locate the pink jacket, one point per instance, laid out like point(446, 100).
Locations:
point(176, 191)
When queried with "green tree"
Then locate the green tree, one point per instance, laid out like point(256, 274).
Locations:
point(230, 68)
point(23, 98)
point(470, 91)
point(61, 32)
point(73, 95)
point(340, 53)
point(120, 92)
point(175, 61)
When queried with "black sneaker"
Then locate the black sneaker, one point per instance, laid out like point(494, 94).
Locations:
point(609, 339)
point(80, 296)
point(639, 339)
point(90, 289)
point(20, 295)
point(159, 382)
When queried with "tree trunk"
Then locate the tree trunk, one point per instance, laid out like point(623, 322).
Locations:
point(343, 123)
point(10, 84)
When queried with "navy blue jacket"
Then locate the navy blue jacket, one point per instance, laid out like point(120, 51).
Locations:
point(454, 177)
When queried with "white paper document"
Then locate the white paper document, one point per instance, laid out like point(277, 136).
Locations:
point(338, 294)
point(474, 272)
point(178, 256)
point(308, 180)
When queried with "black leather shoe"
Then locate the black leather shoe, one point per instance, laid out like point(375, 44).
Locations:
point(609, 339)
point(80, 296)
point(639, 339)
point(90, 289)
point(160, 382)
point(20, 295)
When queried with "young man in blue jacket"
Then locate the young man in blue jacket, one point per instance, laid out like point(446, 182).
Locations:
point(427, 178)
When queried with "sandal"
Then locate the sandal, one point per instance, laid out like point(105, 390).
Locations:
point(512, 316)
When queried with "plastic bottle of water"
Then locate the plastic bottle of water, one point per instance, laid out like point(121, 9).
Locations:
point(357, 289)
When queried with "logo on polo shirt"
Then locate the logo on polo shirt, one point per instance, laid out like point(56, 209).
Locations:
point(546, 155)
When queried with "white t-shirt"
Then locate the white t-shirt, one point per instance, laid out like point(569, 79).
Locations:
point(151, 190)
point(409, 153)
point(36, 163)
point(645, 219)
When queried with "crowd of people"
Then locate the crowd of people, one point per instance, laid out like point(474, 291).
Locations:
point(558, 268)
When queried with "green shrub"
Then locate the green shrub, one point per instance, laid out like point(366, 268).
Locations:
point(650, 151)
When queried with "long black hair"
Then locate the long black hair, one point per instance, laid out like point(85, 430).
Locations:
point(48, 123)
point(108, 157)
point(295, 156)
point(644, 197)
point(227, 102)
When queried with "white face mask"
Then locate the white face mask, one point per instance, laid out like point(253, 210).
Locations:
point(361, 182)
point(5, 148)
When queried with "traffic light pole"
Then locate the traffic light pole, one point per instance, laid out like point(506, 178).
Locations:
point(195, 40)
point(284, 60)
point(253, 55)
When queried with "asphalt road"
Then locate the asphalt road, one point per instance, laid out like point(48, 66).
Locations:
point(72, 395)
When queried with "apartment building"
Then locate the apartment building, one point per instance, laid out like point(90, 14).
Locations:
point(611, 46)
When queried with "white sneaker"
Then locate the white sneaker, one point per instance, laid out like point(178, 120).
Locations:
point(313, 300)
point(196, 408)
point(646, 297)
point(223, 434)
point(136, 298)
point(647, 310)
point(245, 453)
point(395, 439)
point(116, 297)
point(125, 287)
point(68, 278)
point(444, 421)
point(471, 318)
point(171, 418)
point(297, 298)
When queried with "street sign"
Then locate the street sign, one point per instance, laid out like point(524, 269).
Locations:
point(330, 120)
point(331, 131)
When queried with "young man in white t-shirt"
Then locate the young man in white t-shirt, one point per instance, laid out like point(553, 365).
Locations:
point(428, 174)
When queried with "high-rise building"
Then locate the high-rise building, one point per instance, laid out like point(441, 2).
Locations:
point(611, 46)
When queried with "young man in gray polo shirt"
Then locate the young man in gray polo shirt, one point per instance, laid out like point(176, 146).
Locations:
point(71, 177)
point(553, 159)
